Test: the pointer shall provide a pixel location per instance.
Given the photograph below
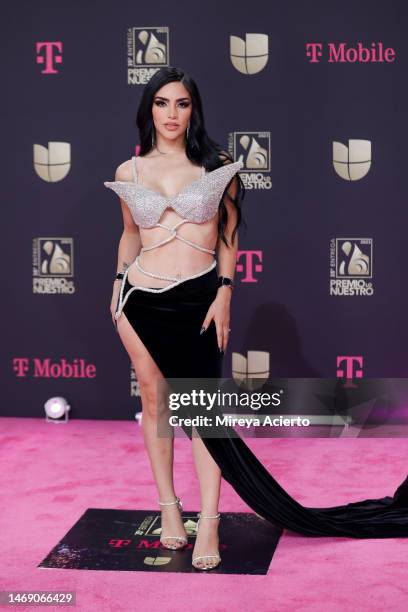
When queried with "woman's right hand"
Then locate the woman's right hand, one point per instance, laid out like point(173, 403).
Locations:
point(114, 301)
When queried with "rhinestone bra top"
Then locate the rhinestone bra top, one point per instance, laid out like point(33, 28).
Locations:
point(197, 202)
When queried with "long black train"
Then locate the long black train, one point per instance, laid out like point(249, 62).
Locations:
point(169, 323)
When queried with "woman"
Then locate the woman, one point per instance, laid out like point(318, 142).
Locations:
point(181, 204)
point(170, 293)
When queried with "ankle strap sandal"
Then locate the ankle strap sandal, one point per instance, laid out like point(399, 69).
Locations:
point(181, 541)
point(217, 559)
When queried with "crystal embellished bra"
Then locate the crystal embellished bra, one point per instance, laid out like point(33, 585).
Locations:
point(197, 202)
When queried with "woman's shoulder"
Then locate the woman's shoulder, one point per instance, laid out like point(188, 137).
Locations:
point(124, 171)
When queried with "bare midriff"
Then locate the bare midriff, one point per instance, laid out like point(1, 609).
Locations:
point(174, 258)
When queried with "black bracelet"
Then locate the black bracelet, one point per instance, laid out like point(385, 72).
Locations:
point(225, 280)
point(119, 276)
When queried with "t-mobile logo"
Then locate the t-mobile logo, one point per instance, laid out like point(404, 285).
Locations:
point(344, 53)
point(248, 265)
point(49, 54)
point(352, 367)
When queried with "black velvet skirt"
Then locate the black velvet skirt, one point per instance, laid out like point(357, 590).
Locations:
point(169, 323)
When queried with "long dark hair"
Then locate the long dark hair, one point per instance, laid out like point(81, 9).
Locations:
point(200, 148)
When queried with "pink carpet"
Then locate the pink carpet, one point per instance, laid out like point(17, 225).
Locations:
point(52, 473)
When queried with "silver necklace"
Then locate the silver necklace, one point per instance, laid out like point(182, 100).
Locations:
point(163, 152)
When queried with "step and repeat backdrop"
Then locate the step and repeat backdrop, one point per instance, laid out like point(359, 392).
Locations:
point(312, 97)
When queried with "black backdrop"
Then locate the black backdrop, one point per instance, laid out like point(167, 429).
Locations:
point(292, 109)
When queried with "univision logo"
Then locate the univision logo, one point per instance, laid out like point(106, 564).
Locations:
point(250, 371)
point(352, 162)
point(249, 56)
point(52, 163)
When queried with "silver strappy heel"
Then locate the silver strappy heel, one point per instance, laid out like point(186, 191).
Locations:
point(181, 540)
point(208, 565)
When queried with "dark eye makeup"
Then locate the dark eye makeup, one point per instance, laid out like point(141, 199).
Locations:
point(183, 104)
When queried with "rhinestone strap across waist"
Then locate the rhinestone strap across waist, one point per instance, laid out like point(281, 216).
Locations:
point(123, 299)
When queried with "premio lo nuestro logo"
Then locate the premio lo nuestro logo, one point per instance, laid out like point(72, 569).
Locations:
point(351, 266)
point(53, 265)
point(254, 150)
point(147, 52)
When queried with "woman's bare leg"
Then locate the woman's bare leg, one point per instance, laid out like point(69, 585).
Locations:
point(160, 450)
point(209, 475)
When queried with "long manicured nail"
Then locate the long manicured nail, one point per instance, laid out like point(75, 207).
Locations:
point(202, 330)
point(221, 351)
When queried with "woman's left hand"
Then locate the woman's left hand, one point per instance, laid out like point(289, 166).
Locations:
point(220, 312)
